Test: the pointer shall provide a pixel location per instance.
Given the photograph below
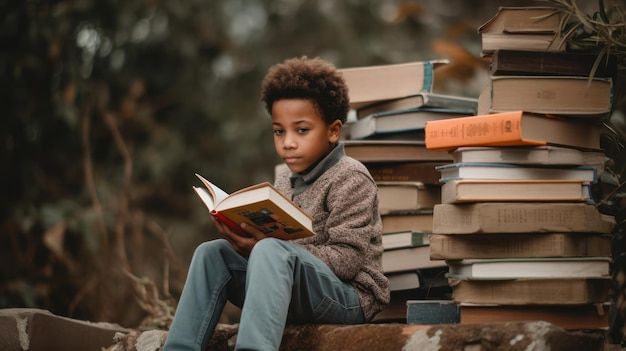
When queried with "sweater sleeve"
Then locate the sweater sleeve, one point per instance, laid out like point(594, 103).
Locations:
point(353, 225)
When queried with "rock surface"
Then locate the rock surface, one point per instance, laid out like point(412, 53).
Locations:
point(33, 330)
point(514, 336)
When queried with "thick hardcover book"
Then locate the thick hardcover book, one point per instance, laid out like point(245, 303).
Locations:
point(481, 190)
point(406, 197)
point(485, 170)
point(423, 99)
point(514, 128)
point(415, 171)
point(545, 63)
point(526, 245)
point(409, 258)
point(404, 280)
point(392, 151)
point(515, 268)
point(401, 121)
point(532, 291)
point(512, 217)
point(404, 135)
point(570, 97)
point(523, 28)
point(260, 205)
point(370, 84)
point(528, 155)
point(419, 221)
point(402, 239)
point(585, 316)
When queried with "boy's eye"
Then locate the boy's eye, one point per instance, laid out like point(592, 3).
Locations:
point(303, 130)
point(279, 132)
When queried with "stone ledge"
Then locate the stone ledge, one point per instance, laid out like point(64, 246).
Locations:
point(509, 336)
point(35, 329)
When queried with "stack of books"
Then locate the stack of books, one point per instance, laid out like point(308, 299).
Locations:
point(393, 102)
point(517, 225)
point(390, 107)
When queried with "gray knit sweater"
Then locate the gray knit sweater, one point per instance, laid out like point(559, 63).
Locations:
point(343, 201)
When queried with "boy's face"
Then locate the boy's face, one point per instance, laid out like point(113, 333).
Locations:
point(301, 136)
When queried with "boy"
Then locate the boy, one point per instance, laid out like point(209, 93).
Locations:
point(335, 277)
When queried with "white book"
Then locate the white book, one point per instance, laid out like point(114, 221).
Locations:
point(524, 155)
point(404, 280)
point(514, 268)
point(401, 239)
point(484, 170)
point(410, 258)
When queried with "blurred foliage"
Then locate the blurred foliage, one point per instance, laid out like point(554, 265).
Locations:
point(111, 106)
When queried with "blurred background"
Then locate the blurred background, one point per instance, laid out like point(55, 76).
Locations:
point(110, 107)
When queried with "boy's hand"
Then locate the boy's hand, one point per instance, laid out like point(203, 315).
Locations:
point(242, 244)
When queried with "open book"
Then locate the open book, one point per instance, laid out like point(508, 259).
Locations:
point(261, 206)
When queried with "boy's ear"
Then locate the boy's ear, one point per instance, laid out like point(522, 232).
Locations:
point(334, 131)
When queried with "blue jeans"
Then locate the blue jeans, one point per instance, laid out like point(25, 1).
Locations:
point(279, 283)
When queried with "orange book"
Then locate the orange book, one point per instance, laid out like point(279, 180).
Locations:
point(514, 128)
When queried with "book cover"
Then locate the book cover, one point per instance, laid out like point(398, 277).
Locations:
point(402, 239)
point(527, 155)
point(408, 280)
point(423, 99)
point(419, 221)
point(370, 84)
point(526, 245)
point(546, 63)
point(515, 268)
point(585, 316)
point(569, 97)
point(431, 312)
point(514, 128)
point(413, 171)
point(399, 121)
point(531, 28)
point(532, 291)
point(516, 217)
point(481, 190)
point(409, 258)
point(524, 41)
point(523, 19)
point(485, 170)
point(260, 205)
point(400, 197)
point(400, 135)
point(392, 151)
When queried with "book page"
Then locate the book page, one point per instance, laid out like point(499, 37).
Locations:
point(214, 192)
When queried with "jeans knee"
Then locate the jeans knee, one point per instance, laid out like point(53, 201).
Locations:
point(209, 248)
point(269, 248)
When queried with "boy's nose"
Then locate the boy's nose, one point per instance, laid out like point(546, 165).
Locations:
point(290, 142)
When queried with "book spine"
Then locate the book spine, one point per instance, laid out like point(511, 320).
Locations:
point(428, 77)
point(501, 245)
point(509, 62)
point(419, 239)
point(432, 312)
point(406, 172)
point(491, 129)
point(518, 218)
point(232, 225)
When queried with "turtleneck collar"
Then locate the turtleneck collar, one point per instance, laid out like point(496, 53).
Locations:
point(301, 181)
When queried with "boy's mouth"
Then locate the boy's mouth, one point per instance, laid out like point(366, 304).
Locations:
point(290, 159)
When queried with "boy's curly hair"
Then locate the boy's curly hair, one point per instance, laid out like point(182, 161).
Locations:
point(308, 78)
